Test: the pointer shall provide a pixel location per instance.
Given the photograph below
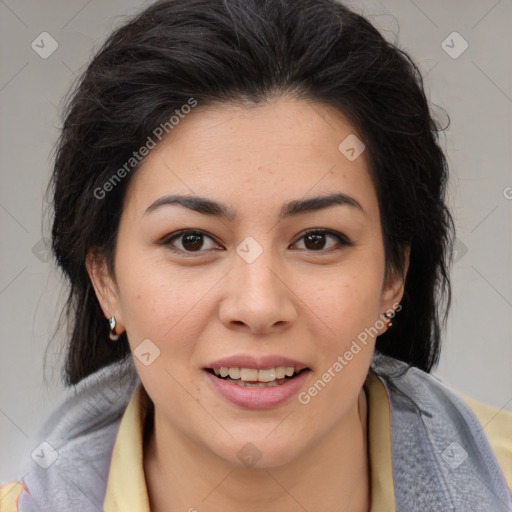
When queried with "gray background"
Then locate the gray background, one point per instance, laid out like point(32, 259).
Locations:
point(475, 88)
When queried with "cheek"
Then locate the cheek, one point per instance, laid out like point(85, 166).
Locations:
point(163, 319)
point(158, 306)
point(348, 311)
point(346, 299)
point(153, 297)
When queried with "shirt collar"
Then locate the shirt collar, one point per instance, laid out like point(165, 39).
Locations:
point(126, 486)
point(379, 440)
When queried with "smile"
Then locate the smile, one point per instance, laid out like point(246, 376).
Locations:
point(257, 389)
point(252, 377)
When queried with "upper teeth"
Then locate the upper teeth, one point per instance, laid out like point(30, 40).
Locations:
point(253, 374)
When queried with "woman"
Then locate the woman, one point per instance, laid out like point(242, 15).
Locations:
point(249, 207)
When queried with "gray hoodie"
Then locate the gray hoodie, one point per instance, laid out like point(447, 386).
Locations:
point(441, 459)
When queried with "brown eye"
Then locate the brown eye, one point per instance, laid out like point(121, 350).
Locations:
point(314, 241)
point(189, 241)
point(192, 242)
point(317, 240)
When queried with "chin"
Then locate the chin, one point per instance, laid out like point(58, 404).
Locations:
point(259, 453)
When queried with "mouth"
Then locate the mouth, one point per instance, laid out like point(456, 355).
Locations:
point(257, 378)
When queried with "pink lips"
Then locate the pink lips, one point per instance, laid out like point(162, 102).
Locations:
point(252, 397)
point(258, 362)
point(257, 398)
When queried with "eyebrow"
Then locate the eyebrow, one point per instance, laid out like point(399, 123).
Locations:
point(296, 207)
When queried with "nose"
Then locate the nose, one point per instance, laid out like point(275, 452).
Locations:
point(258, 300)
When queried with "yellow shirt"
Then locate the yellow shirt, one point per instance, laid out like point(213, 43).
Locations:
point(126, 487)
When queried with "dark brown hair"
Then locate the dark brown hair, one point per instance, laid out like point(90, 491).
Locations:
point(249, 51)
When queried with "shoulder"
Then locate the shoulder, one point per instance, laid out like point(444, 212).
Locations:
point(458, 448)
point(74, 445)
point(497, 426)
point(10, 494)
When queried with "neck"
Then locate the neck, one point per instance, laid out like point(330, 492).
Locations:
point(181, 475)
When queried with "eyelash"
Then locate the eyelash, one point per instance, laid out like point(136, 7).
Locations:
point(343, 241)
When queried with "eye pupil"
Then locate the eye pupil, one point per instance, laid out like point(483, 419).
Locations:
point(192, 241)
point(317, 239)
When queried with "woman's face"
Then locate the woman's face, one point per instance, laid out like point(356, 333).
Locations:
point(252, 285)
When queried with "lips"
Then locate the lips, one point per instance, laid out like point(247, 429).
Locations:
point(272, 392)
point(260, 396)
point(256, 362)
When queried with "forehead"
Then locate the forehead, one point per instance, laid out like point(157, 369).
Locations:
point(255, 156)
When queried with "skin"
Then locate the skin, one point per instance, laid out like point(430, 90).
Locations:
point(297, 299)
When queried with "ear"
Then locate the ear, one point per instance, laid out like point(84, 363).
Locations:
point(393, 289)
point(105, 287)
